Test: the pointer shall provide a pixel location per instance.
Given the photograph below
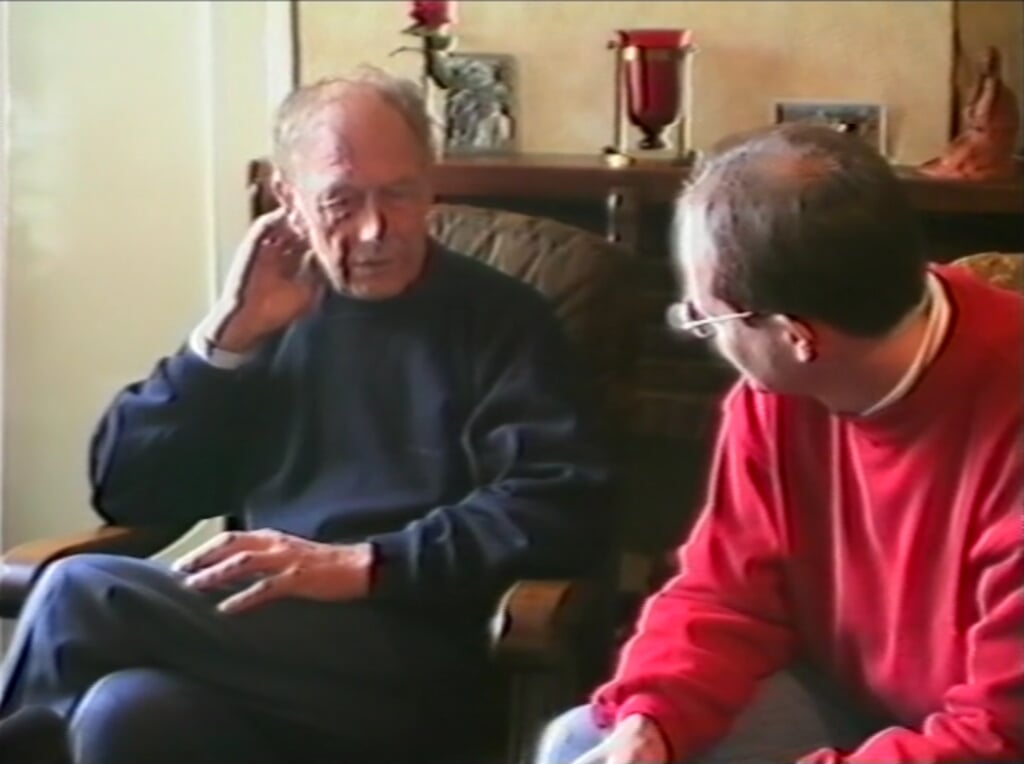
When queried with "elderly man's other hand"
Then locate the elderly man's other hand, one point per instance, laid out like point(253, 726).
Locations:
point(635, 740)
point(273, 280)
point(278, 565)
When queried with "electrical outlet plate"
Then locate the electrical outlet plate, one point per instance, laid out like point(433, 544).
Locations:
point(866, 120)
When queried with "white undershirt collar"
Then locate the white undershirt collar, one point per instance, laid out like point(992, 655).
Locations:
point(937, 305)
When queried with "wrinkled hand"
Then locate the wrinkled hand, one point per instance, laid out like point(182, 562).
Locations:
point(281, 565)
point(635, 740)
point(273, 280)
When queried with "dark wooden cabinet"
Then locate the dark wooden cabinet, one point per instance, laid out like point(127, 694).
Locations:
point(564, 177)
point(633, 203)
point(675, 386)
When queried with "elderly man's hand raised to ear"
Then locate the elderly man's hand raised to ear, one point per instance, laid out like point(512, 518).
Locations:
point(273, 280)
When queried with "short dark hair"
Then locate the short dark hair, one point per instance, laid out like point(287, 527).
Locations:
point(809, 222)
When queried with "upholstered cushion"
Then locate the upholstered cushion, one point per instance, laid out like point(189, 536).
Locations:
point(579, 272)
point(1003, 269)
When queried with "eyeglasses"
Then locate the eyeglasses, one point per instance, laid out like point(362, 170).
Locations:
point(683, 317)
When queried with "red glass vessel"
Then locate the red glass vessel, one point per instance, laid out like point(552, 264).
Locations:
point(651, 61)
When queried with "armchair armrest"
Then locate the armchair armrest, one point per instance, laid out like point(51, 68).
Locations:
point(536, 621)
point(538, 637)
point(21, 566)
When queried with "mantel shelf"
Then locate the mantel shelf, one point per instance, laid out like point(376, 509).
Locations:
point(567, 178)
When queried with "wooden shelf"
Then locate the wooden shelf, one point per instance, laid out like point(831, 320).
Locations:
point(562, 177)
point(1003, 197)
point(584, 178)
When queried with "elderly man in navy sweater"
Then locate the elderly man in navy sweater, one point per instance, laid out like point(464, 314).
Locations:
point(402, 431)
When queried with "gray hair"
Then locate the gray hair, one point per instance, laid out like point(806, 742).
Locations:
point(809, 222)
point(295, 114)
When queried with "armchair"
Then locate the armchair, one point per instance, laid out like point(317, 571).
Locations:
point(1004, 269)
point(537, 628)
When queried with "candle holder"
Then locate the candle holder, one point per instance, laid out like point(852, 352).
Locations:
point(652, 94)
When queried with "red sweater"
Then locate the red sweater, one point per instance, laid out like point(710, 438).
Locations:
point(886, 550)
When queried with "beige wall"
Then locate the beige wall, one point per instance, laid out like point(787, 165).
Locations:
point(130, 126)
point(108, 260)
point(896, 53)
point(4, 212)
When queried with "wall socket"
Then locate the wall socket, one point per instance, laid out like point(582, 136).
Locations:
point(865, 120)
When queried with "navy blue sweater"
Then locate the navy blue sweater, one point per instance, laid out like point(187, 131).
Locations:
point(449, 426)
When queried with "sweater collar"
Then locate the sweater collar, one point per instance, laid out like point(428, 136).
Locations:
point(944, 372)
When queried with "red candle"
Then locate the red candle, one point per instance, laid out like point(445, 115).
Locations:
point(431, 13)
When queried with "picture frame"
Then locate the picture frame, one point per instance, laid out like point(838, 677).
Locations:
point(480, 106)
point(864, 120)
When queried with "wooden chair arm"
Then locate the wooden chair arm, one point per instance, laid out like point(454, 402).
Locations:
point(21, 566)
point(535, 621)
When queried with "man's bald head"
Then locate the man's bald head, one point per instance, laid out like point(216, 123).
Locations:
point(803, 220)
point(369, 95)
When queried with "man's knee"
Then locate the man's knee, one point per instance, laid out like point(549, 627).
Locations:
point(569, 736)
point(64, 588)
point(89, 580)
point(141, 714)
point(80, 573)
point(119, 716)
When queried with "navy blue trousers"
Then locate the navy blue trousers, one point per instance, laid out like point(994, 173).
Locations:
point(146, 670)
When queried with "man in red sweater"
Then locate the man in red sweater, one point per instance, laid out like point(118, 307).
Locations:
point(864, 523)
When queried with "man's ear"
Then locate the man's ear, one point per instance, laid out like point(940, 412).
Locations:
point(284, 192)
point(801, 337)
